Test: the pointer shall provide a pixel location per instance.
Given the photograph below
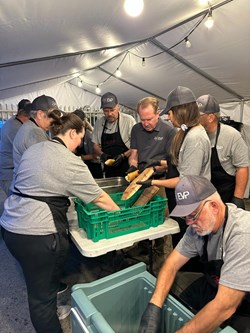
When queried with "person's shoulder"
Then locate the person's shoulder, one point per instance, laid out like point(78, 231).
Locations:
point(127, 116)
point(165, 127)
point(229, 130)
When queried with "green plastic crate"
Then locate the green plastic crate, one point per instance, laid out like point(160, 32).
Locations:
point(101, 224)
point(115, 304)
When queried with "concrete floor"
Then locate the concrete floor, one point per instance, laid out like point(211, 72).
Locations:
point(14, 314)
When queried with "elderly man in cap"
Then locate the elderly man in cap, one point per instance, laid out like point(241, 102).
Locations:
point(111, 136)
point(8, 133)
point(34, 130)
point(219, 234)
point(229, 159)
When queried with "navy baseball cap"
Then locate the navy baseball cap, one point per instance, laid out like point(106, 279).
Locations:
point(179, 96)
point(189, 193)
point(108, 101)
point(207, 104)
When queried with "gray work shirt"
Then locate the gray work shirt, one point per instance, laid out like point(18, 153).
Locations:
point(46, 169)
point(152, 145)
point(126, 122)
point(231, 148)
point(8, 133)
point(235, 242)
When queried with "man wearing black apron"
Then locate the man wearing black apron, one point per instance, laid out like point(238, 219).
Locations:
point(229, 159)
point(111, 137)
point(219, 234)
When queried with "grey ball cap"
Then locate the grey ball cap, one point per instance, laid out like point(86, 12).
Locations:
point(44, 103)
point(189, 193)
point(108, 101)
point(179, 96)
point(208, 104)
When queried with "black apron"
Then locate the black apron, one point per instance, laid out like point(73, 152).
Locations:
point(224, 183)
point(113, 145)
point(212, 270)
point(58, 206)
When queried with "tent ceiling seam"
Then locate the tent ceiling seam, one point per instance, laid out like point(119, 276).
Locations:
point(195, 69)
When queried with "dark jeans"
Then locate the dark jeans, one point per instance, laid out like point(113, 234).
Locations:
point(200, 292)
point(42, 260)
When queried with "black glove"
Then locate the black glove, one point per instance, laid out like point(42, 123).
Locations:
point(152, 163)
point(145, 184)
point(104, 157)
point(238, 202)
point(132, 168)
point(151, 319)
point(118, 160)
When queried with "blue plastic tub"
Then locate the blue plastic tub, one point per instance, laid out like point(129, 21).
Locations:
point(115, 304)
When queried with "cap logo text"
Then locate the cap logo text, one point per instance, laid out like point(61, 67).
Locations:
point(182, 195)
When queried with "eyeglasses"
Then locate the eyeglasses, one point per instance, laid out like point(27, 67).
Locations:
point(194, 218)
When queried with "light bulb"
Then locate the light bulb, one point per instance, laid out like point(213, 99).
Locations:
point(98, 90)
point(118, 73)
point(79, 84)
point(133, 7)
point(188, 43)
point(209, 21)
point(143, 62)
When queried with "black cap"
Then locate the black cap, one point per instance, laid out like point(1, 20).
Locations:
point(179, 96)
point(44, 103)
point(208, 104)
point(22, 104)
point(108, 101)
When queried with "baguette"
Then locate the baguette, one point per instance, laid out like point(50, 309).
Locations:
point(109, 162)
point(132, 175)
point(133, 187)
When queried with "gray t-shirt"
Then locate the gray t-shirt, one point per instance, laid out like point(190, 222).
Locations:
point(195, 154)
point(27, 135)
point(235, 242)
point(126, 122)
point(8, 134)
point(46, 169)
point(231, 148)
point(152, 145)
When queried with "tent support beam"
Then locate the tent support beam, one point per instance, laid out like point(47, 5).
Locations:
point(133, 85)
point(195, 69)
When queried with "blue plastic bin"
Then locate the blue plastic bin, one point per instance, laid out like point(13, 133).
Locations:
point(115, 304)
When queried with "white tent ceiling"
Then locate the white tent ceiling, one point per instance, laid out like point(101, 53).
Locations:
point(45, 44)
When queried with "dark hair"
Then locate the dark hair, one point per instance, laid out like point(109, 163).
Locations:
point(25, 111)
point(187, 114)
point(80, 113)
point(55, 114)
point(22, 103)
point(65, 123)
point(144, 102)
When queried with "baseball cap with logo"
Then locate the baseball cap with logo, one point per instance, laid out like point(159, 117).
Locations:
point(179, 96)
point(44, 103)
point(208, 104)
point(108, 101)
point(189, 193)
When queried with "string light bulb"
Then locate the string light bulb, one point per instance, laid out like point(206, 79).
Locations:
point(97, 90)
point(143, 62)
point(79, 83)
point(210, 20)
point(188, 43)
point(134, 7)
point(118, 73)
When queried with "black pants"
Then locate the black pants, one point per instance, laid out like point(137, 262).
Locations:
point(200, 292)
point(42, 260)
